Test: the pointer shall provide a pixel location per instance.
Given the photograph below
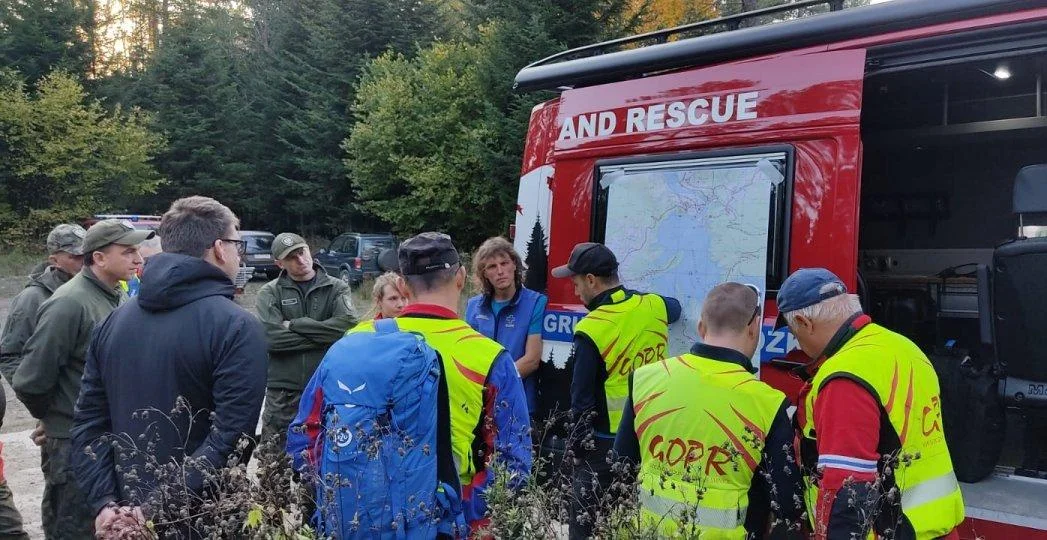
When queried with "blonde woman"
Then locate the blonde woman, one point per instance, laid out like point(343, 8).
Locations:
point(388, 302)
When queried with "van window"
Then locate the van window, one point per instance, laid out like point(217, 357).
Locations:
point(679, 227)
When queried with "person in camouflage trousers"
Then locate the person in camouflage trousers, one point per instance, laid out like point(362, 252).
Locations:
point(65, 247)
point(304, 311)
point(47, 380)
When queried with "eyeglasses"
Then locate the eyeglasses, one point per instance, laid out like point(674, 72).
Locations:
point(756, 310)
point(241, 245)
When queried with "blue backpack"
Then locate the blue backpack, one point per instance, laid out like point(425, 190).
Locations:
point(386, 469)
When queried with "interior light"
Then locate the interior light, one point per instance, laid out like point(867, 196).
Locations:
point(1002, 73)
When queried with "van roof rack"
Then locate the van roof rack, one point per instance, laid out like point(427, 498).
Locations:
point(728, 23)
point(608, 61)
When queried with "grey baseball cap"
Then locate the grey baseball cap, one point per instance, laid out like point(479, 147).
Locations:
point(114, 231)
point(66, 237)
point(285, 243)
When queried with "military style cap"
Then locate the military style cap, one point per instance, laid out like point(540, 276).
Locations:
point(114, 231)
point(427, 252)
point(588, 258)
point(806, 287)
point(66, 237)
point(285, 243)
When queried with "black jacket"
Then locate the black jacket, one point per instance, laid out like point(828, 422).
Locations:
point(181, 337)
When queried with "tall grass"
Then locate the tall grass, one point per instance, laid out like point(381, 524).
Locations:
point(19, 263)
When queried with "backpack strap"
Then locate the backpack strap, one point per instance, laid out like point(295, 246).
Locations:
point(446, 472)
point(385, 326)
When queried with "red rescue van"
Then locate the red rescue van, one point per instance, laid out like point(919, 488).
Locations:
point(896, 144)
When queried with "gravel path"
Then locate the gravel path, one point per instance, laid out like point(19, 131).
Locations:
point(21, 457)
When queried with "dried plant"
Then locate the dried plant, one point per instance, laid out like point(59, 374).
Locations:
point(265, 499)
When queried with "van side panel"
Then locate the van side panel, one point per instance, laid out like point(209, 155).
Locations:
point(541, 135)
point(810, 90)
point(825, 205)
point(811, 100)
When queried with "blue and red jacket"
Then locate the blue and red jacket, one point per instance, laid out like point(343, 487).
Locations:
point(504, 423)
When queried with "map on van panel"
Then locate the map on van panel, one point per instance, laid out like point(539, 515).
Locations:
point(681, 231)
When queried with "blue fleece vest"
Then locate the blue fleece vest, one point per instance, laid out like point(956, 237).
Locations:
point(509, 330)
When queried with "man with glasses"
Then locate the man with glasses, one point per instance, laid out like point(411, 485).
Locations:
point(184, 350)
point(714, 443)
point(623, 330)
point(304, 311)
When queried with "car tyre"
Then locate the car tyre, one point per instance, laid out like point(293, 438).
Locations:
point(974, 417)
point(346, 276)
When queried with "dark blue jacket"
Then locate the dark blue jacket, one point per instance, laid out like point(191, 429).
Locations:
point(181, 337)
point(509, 328)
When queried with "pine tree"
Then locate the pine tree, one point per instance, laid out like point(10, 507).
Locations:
point(320, 65)
point(39, 36)
point(537, 259)
point(195, 86)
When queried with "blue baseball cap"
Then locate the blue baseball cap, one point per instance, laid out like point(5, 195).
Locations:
point(806, 287)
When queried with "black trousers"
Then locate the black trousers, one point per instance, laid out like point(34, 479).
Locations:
point(591, 480)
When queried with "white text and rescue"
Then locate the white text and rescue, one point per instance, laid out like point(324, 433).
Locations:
point(673, 115)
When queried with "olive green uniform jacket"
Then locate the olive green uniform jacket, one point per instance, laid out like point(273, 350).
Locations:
point(21, 319)
point(317, 320)
point(48, 379)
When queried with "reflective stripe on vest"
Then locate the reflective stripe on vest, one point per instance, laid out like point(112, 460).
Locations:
point(713, 518)
point(467, 358)
point(929, 491)
point(902, 380)
point(629, 333)
point(701, 426)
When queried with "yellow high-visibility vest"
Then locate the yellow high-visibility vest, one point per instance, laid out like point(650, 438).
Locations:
point(900, 377)
point(628, 333)
point(701, 425)
point(467, 357)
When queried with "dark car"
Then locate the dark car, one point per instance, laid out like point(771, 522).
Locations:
point(259, 253)
point(354, 256)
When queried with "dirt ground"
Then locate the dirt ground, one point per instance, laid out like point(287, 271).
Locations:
point(22, 458)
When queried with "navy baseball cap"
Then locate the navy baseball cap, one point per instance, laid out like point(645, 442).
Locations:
point(427, 252)
point(806, 287)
